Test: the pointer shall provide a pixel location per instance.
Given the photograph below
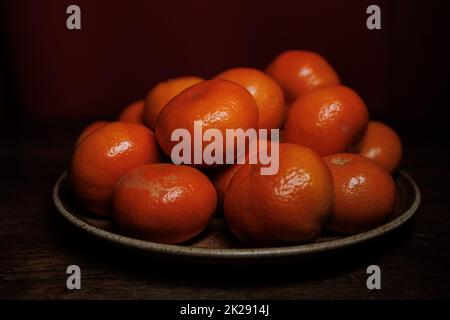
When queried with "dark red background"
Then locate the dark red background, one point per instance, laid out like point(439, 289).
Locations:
point(125, 47)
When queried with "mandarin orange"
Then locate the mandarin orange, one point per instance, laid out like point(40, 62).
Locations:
point(298, 72)
point(103, 156)
point(215, 104)
point(288, 207)
point(164, 203)
point(328, 120)
point(365, 193)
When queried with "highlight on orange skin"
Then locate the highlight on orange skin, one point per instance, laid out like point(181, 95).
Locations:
point(298, 72)
point(381, 144)
point(133, 113)
point(162, 93)
point(165, 203)
point(266, 92)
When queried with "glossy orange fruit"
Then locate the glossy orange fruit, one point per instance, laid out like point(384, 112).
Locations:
point(164, 203)
point(89, 129)
point(162, 93)
point(288, 207)
point(328, 120)
point(133, 112)
point(103, 157)
point(298, 72)
point(266, 92)
point(217, 104)
point(382, 145)
point(364, 193)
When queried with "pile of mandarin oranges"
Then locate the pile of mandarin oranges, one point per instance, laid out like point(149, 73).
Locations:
point(334, 171)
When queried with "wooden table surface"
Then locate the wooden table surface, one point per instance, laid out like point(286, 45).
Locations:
point(37, 245)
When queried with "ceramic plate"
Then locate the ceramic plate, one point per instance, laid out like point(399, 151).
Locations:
point(216, 245)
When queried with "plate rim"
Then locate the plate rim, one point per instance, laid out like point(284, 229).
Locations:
point(237, 253)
